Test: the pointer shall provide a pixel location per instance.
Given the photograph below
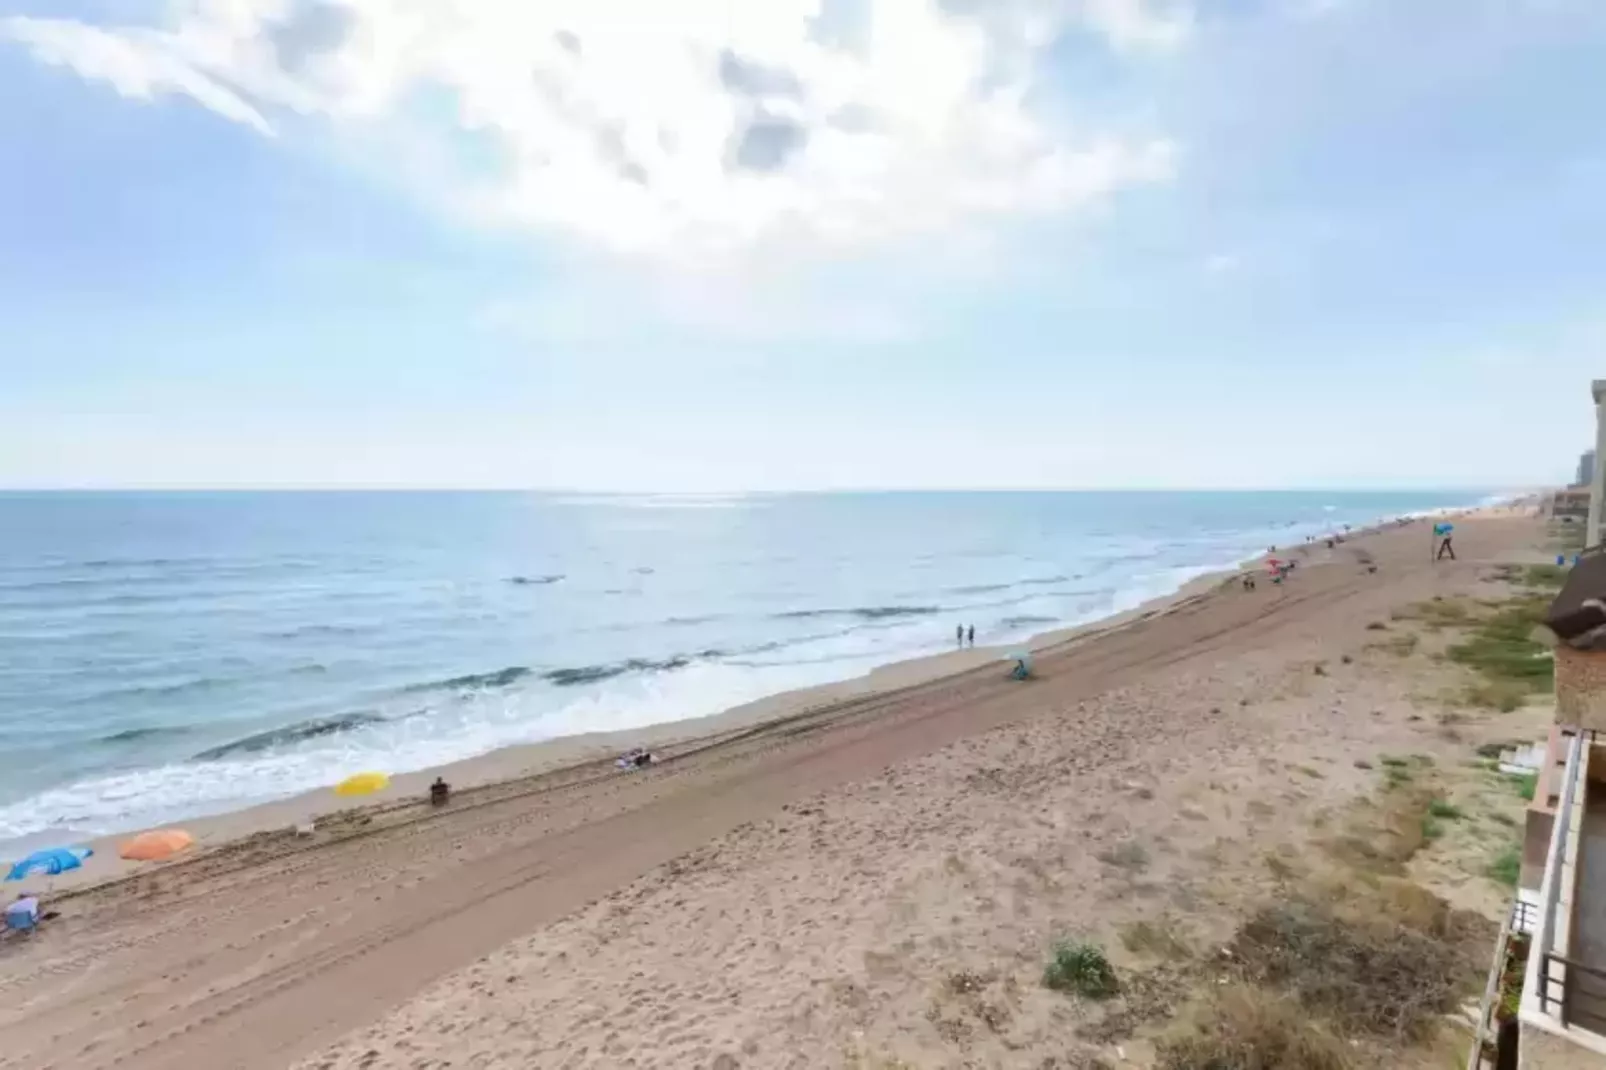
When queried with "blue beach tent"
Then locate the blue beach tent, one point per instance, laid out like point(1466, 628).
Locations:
point(49, 862)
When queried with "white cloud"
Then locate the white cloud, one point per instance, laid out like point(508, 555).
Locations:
point(1140, 25)
point(676, 129)
point(137, 63)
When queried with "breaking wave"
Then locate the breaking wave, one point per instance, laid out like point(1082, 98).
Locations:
point(289, 735)
point(862, 613)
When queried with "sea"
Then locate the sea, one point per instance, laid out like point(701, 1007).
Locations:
point(170, 655)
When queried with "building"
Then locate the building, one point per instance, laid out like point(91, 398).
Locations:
point(1545, 1001)
point(1586, 469)
point(1544, 1005)
point(1597, 493)
point(1570, 505)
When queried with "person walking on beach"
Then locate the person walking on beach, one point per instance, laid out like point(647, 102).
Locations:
point(970, 634)
point(959, 635)
point(1442, 532)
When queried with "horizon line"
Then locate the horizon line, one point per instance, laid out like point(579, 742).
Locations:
point(381, 488)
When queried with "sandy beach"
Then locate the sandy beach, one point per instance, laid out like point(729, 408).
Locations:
point(801, 880)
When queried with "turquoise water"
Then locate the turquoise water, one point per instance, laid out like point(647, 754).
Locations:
point(168, 655)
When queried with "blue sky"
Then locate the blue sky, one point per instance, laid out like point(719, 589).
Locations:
point(700, 244)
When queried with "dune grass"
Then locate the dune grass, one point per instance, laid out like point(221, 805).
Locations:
point(1502, 649)
point(1550, 577)
point(1443, 808)
point(1506, 867)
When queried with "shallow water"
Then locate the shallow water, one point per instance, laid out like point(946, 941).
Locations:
point(168, 655)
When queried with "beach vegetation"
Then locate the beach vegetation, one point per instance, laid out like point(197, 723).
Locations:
point(1400, 646)
point(1081, 967)
point(1387, 969)
point(1501, 646)
point(1506, 867)
point(1280, 865)
point(1443, 808)
point(1525, 784)
point(1397, 771)
point(1551, 577)
point(1162, 938)
point(1243, 1026)
point(1350, 963)
point(1506, 697)
point(1566, 536)
point(1385, 833)
point(1129, 855)
point(1437, 613)
point(1330, 975)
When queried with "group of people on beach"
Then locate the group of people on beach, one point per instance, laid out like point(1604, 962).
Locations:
point(965, 636)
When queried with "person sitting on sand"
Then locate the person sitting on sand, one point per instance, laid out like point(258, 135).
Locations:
point(23, 914)
point(439, 792)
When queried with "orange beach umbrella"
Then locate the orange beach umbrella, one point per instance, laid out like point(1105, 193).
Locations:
point(155, 845)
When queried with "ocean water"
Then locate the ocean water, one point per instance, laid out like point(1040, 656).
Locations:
point(171, 655)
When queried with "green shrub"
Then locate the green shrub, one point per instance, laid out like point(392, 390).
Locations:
point(1081, 968)
point(1506, 868)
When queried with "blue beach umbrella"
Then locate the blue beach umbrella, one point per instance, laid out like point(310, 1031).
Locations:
point(49, 862)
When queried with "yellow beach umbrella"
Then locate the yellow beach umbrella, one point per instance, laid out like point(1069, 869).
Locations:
point(362, 784)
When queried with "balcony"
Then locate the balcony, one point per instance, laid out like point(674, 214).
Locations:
point(1562, 1011)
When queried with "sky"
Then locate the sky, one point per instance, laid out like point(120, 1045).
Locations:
point(698, 245)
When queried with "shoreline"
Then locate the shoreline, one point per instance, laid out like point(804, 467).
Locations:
point(529, 763)
point(764, 890)
point(522, 763)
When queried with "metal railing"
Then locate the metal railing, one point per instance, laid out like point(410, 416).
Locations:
point(1494, 1042)
point(1524, 916)
point(1495, 1037)
point(1550, 890)
point(1485, 1052)
point(1573, 993)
